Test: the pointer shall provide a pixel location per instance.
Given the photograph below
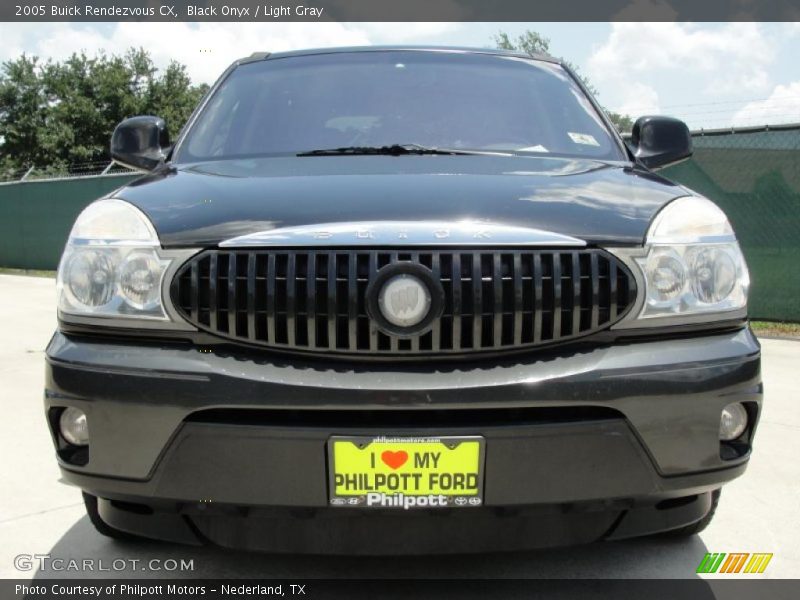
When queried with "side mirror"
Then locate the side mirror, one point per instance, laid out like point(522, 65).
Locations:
point(660, 141)
point(140, 143)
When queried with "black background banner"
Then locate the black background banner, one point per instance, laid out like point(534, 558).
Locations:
point(742, 588)
point(399, 10)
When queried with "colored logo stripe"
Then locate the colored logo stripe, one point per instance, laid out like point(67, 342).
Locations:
point(758, 563)
point(711, 562)
point(734, 562)
point(714, 562)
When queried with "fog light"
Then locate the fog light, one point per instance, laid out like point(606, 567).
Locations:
point(74, 429)
point(733, 422)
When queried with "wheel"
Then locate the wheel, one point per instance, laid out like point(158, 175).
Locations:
point(90, 502)
point(697, 526)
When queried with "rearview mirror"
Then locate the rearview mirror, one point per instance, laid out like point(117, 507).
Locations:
point(140, 142)
point(660, 141)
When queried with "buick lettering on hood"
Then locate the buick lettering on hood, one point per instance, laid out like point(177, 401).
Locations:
point(395, 300)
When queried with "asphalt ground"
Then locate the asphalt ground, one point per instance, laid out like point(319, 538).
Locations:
point(759, 512)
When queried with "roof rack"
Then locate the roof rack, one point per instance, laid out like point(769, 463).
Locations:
point(255, 57)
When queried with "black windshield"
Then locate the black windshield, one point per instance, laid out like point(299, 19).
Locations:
point(457, 101)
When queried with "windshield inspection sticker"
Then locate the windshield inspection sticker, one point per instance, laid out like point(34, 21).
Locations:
point(583, 138)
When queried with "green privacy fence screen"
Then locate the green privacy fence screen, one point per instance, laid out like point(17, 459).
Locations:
point(36, 216)
point(754, 175)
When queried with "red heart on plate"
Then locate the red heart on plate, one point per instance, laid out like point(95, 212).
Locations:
point(394, 460)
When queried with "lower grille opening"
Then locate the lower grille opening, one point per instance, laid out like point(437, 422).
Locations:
point(675, 502)
point(132, 507)
point(393, 419)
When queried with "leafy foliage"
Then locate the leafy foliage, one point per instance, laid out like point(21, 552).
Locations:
point(54, 114)
point(533, 43)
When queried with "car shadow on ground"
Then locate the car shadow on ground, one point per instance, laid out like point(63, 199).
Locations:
point(644, 558)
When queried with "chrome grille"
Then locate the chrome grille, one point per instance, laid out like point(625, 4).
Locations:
point(314, 300)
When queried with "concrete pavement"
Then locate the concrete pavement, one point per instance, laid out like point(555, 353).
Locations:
point(759, 512)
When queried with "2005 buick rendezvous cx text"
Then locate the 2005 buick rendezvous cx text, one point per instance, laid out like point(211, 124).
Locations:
point(393, 300)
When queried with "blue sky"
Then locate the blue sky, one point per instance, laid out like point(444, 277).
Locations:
point(711, 75)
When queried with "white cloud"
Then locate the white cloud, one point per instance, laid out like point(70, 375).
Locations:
point(638, 99)
point(205, 48)
point(222, 43)
point(782, 106)
point(732, 58)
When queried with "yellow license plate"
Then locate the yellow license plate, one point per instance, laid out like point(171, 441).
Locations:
point(405, 472)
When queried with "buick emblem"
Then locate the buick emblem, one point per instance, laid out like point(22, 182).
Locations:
point(404, 300)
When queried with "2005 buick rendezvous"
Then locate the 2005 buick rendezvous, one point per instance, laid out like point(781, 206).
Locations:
point(401, 300)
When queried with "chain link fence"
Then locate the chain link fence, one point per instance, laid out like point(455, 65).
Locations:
point(87, 169)
point(753, 174)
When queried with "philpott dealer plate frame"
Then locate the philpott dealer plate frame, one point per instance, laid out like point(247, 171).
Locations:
point(416, 461)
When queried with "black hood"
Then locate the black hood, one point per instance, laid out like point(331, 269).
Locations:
point(204, 204)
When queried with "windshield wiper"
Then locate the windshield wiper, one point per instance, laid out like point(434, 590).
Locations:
point(394, 150)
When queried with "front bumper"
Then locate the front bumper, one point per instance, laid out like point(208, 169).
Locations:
point(609, 442)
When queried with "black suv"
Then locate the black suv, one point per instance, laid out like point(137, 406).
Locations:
point(401, 300)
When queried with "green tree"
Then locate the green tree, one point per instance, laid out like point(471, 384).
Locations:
point(533, 43)
point(173, 97)
point(23, 114)
point(56, 114)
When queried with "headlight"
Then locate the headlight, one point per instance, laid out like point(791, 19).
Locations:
point(113, 267)
point(692, 267)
